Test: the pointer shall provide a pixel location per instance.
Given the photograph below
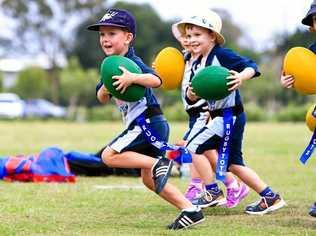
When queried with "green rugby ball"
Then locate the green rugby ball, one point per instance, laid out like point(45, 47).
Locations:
point(210, 83)
point(110, 67)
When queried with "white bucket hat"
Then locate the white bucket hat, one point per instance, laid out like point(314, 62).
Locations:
point(207, 19)
point(175, 31)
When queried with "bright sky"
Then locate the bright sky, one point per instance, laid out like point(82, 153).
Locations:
point(260, 19)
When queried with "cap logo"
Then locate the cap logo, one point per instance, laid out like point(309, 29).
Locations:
point(109, 15)
point(203, 20)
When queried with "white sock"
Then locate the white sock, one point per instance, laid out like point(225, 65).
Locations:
point(192, 209)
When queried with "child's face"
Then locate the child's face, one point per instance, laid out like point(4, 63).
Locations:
point(114, 40)
point(184, 41)
point(201, 39)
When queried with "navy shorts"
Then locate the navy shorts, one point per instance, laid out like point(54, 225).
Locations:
point(196, 123)
point(206, 139)
point(132, 138)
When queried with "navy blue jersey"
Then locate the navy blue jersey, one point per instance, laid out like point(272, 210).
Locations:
point(131, 110)
point(313, 47)
point(227, 58)
point(193, 108)
point(210, 137)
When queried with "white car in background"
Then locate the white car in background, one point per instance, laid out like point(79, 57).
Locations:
point(11, 106)
point(42, 108)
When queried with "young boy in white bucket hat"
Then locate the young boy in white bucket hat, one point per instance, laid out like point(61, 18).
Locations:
point(198, 113)
point(203, 31)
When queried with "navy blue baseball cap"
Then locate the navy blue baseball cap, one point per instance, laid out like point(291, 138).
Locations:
point(116, 17)
point(308, 18)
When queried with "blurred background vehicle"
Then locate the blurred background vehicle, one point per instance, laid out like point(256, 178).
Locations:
point(41, 108)
point(11, 106)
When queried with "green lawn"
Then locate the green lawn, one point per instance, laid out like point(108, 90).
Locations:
point(89, 207)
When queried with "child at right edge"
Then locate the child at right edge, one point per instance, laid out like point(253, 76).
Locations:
point(203, 31)
point(287, 81)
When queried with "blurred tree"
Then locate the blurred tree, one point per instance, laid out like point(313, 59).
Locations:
point(78, 86)
point(268, 92)
point(152, 35)
point(32, 83)
point(4, 44)
point(45, 27)
point(1, 82)
point(300, 38)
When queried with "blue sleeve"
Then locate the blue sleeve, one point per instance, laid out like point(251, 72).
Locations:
point(99, 85)
point(145, 69)
point(234, 61)
point(313, 47)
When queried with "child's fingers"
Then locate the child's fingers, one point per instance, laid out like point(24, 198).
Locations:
point(116, 77)
point(232, 72)
point(231, 77)
point(233, 87)
point(192, 92)
point(116, 83)
point(123, 90)
point(288, 77)
point(119, 87)
point(232, 82)
point(289, 80)
point(123, 69)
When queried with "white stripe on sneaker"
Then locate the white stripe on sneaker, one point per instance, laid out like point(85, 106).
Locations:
point(185, 221)
point(162, 170)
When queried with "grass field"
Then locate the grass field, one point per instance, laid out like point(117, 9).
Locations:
point(90, 207)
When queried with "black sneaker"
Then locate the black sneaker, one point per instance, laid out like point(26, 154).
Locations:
point(187, 219)
point(161, 172)
point(210, 198)
point(312, 211)
point(265, 205)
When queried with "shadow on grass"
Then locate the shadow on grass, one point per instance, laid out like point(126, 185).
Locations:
point(306, 222)
point(222, 211)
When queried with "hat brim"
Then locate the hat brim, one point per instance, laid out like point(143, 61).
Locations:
point(175, 31)
point(96, 27)
point(181, 28)
point(307, 20)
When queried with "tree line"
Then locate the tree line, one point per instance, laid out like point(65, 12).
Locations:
point(58, 30)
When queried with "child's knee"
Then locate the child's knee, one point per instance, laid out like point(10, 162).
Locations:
point(147, 179)
point(236, 169)
point(108, 156)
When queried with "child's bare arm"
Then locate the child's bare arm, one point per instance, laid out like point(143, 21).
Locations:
point(237, 78)
point(103, 95)
point(127, 78)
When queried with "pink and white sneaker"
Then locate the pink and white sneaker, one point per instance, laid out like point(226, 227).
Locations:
point(234, 196)
point(193, 191)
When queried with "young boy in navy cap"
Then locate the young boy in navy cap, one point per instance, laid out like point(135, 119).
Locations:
point(131, 149)
point(287, 81)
